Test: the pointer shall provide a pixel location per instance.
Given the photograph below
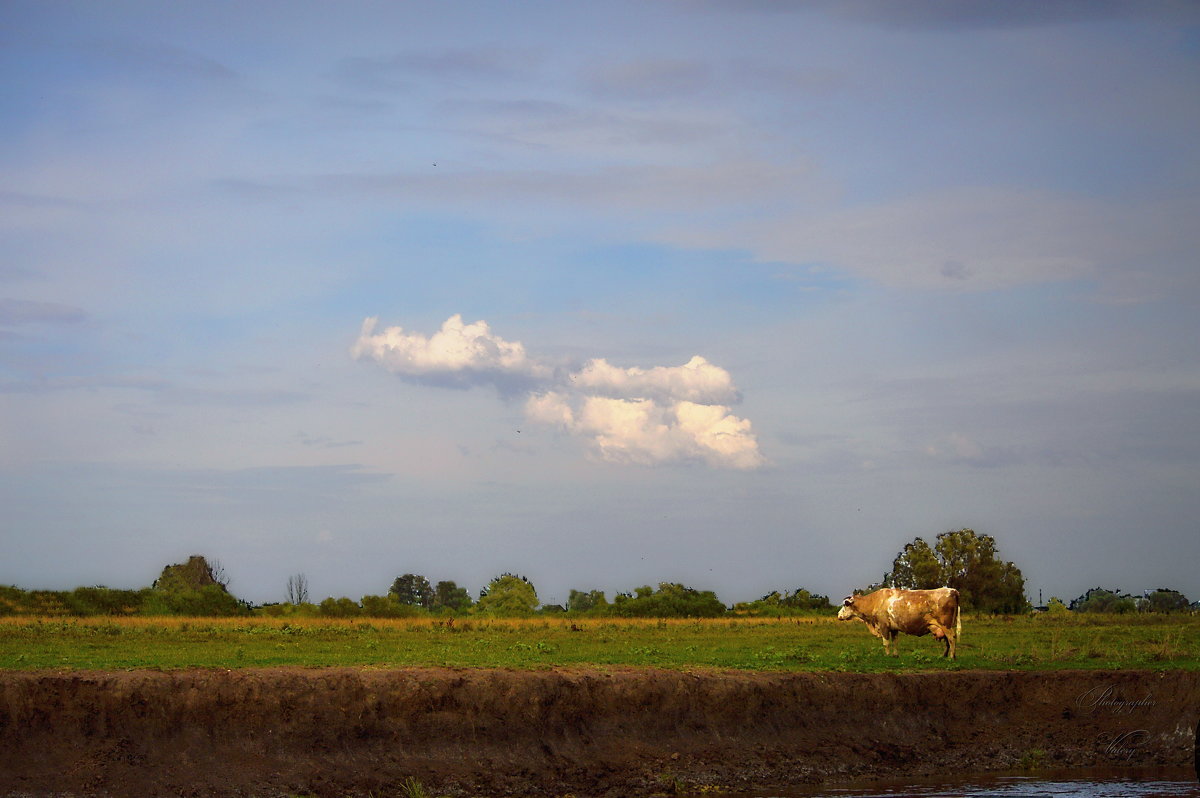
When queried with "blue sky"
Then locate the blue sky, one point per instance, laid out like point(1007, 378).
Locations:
point(743, 295)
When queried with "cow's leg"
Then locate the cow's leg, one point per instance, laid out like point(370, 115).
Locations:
point(892, 633)
point(882, 634)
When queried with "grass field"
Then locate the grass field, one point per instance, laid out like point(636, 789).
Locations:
point(789, 644)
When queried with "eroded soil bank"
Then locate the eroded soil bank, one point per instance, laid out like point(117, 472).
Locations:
point(625, 732)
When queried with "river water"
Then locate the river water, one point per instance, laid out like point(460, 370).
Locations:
point(1097, 783)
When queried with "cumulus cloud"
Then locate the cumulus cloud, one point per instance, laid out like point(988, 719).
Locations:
point(458, 355)
point(664, 414)
point(647, 432)
point(696, 381)
point(631, 415)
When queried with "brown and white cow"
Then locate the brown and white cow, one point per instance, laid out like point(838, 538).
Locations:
point(889, 611)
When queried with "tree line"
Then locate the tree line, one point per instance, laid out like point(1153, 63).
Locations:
point(196, 588)
point(962, 559)
point(512, 595)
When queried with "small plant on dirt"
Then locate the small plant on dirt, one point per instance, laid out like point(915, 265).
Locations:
point(411, 788)
point(672, 784)
point(1032, 759)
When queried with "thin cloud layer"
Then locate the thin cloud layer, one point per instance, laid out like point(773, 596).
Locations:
point(654, 416)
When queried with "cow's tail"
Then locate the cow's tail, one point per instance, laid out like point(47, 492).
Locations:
point(957, 624)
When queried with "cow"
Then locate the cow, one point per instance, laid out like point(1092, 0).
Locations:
point(889, 611)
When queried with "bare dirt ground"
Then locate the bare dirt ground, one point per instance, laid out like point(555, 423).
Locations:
point(620, 732)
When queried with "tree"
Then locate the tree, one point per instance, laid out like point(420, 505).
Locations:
point(916, 567)
point(1100, 600)
point(967, 562)
point(217, 571)
point(591, 601)
point(191, 588)
point(1163, 600)
point(297, 589)
point(194, 574)
point(801, 599)
point(508, 594)
point(413, 589)
point(448, 595)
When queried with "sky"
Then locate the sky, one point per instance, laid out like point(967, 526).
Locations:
point(743, 295)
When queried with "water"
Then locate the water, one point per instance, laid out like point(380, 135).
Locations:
point(1098, 783)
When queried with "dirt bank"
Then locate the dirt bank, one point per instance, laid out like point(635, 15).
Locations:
point(335, 732)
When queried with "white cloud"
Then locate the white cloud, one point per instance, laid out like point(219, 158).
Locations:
point(645, 416)
point(696, 381)
point(718, 435)
point(550, 408)
point(457, 355)
point(646, 432)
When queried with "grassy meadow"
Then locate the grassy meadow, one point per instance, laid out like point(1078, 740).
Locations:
point(808, 643)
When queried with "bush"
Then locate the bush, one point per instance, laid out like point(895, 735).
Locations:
point(340, 608)
point(101, 600)
point(507, 595)
point(671, 600)
point(1108, 601)
point(775, 604)
point(208, 601)
point(388, 607)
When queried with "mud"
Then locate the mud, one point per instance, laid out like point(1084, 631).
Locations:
point(621, 732)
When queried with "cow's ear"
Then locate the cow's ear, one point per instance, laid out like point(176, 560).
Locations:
point(849, 600)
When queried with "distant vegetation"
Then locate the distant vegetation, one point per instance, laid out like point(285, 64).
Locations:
point(198, 588)
point(1114, 601)
point(195, 588)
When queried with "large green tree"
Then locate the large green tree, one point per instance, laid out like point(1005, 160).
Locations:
point(508, 594)
point(917, 567)
point(1164, 600)
point(448, 595)
point(412, 589)
point(195, 588)
point(967, 562)
point(593, 601)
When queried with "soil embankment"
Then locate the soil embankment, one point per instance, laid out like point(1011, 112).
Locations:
point(624, 732)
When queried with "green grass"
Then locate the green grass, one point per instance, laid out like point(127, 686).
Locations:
point(817, 643)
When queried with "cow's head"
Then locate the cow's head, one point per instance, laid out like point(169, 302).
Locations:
point(848, 609)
